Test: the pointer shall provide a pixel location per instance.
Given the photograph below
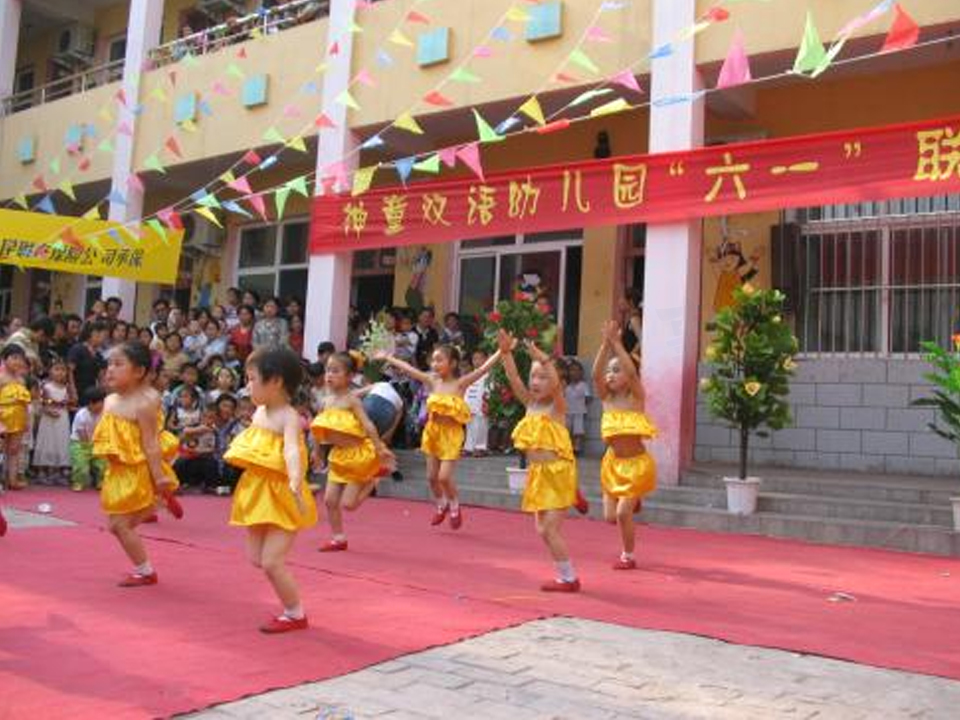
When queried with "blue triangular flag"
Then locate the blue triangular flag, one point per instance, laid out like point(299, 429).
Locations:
point(372, 142)
point(138, 109)
point(404, 168)
point(115, 236)
point(310, 88)
point(384, 59)
point(199, 195)
point(661, 52)
point(679, 99)
point(46, 205)
point(205, 108)
point(510, 122)
point(90, 130)
point(268, 162)
point(235, 208)
point(117, 197)
point(501, 33)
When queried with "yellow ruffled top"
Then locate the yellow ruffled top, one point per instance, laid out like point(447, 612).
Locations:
point(14, 394)
point(118, 439)
point(449, 406)
point(338, 420)
point(259, 448)
point(541, 432)
point(620, 423)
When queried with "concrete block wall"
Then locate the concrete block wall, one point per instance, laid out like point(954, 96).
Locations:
point(848, 414)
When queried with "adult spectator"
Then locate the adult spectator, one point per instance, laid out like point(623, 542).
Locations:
point(242, 333)
point(271, 332)
point(631, 320)
point(74, 327)
point(427, 336)
point(33, 338)
point(84, 358)
point(114, 306)
point(161, 312)
point(232, 307)
point(451, 333)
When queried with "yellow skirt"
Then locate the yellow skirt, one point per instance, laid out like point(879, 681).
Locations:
point(442, 440)
point(14, 418)
point(357, 464)
point(264, 498)
point(129, 489)
point(550, 486)
point(631, 477)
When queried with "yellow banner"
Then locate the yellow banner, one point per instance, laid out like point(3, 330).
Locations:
point(90, 247)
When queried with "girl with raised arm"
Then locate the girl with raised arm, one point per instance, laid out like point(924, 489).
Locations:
point(358, 457)
point(138, 453)
point(272, 499)
point(543, 437)
point(447, 416)
point(627, 472)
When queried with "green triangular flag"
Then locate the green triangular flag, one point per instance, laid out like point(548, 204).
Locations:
point(152, 162)
point(812, 52)
point(281, 199)
point(21, 200)
point(234, 70)
point(158, 228)
point(273, 135)
point(55, 166)
point(105, 146)
point(487, 134)
point(429, 165)
point(209, 201)
point(189, 60)
point(299, 185)
point(465, 76)
point(579, 57)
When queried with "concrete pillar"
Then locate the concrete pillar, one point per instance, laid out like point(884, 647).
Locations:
point(329, 275)
point(671, 313)
point(143, 33)
point(9, 38)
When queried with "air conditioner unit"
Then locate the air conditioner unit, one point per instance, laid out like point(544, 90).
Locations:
point(76, 43)
point(203, 238)
point(218, 8)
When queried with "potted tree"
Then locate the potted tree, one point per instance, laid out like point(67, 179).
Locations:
point(751, 360)
point(945, 400)
point(522, 318)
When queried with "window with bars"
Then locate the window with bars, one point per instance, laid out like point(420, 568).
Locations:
point(875, 278)
point(273, 259)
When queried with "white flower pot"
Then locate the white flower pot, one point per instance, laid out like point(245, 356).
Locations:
point(956, 513)
point(742, 495)
point(516, 479)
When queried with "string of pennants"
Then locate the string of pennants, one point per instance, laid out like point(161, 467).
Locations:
point(813, 58)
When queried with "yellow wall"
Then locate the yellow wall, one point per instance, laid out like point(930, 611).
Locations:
point(110, 22)
point(597, 285)
point(516, 68)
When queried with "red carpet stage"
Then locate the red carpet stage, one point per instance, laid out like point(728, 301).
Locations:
point(72, 644)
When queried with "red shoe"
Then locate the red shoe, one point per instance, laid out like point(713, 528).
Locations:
point(439, 515)
point(282, 624)
point(173, 505)
point(561, 586)
point(581, 505)
point(334, 546)
point(625, 564)
point(456, 519)
point(3, 525)
point(151, 518)
point(137, 580)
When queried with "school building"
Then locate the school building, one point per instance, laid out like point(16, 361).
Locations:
point(205, 81)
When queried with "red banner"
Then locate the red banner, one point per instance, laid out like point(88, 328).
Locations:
point(841, 167)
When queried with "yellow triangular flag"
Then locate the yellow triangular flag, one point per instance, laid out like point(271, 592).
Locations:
point(398, 38)
point(297, 143)
point(67, 187)
point(517, 15)
point(208, 214)
point(614, 106)
point(407, 122)
point(105, 114)
point(363, 179)
point(345, 98)
point(93, 213)
point(189, 125)
point(228, 176)
point(531, 108)
point(321, 68)
point(159, 94)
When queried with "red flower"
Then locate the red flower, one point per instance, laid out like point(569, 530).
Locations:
point(494, 317)
point(533, 333)
point(544, 308)
point(505, 396)
point(519, 296)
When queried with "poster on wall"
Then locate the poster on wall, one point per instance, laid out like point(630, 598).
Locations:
point(90, 247)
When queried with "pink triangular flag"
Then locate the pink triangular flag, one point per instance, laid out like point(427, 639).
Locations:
point(242, 53)
point(904, 33)
point(414, 17)
point(323, 121)
point(470, 156)
point(257, 202)
point(449, 156)
point(364, 78)
point(334, 49)
point(173, 77)
point(291, 111)
point(482, 52)
point(564, 78)
point(135, 183)
point(627, 79)
point(241, 185)
point(124, 129)
point(736, 68)
point(252, 158)
point(218, 88)
point(597, 34)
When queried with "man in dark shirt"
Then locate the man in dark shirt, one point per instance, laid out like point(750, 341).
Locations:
point(84, 357)
point(427, 336)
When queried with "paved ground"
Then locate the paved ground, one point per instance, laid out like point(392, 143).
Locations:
point(577, 669)
point(22, 519)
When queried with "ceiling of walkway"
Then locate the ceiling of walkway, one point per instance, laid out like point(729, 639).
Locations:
point(46, 12)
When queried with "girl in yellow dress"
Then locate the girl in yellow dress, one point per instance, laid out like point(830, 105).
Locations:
point(627, 472)
point(543, 437)
point(357, 453)
point(272, 499)
point(14, 399)
point(137, 455)
point(447, 416)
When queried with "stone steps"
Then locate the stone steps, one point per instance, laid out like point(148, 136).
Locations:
point(910, 514)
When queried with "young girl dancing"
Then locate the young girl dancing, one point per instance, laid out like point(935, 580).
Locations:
point(14, 399)
point(543, 436)
point(357, 452)
point(272, 499)
point(627, 472)
point(137, 454)
point(447, 414)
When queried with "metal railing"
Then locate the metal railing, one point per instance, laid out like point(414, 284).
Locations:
point(237, 30)
point(62, 87)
